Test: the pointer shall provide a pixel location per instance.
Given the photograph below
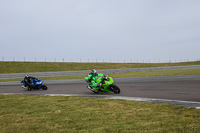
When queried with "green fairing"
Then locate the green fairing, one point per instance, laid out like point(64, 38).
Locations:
point(105, 85)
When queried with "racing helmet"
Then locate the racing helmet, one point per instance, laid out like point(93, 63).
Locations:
point(27, 75)
point(93, 71)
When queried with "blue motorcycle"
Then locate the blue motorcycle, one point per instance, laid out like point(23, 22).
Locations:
point(34, 83)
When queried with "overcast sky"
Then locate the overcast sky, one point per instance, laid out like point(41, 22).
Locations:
point(116, 30)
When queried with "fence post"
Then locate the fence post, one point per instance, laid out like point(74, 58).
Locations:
point(24, 59)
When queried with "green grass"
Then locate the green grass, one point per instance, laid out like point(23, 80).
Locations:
point(27, 67)
point(195, 71)
point(31, 113)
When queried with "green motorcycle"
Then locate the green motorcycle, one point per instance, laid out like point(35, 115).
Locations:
point(102, 84)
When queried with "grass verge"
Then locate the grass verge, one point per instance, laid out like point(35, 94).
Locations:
point(27, 67)
point(31, 113)
point(195, 71)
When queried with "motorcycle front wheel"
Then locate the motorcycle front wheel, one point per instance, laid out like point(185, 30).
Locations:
point(115, 89)
point(44, 87)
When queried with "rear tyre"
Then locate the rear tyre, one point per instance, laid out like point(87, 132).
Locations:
point(30, 88)
point(115, 89)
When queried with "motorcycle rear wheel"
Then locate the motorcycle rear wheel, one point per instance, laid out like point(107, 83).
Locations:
point(30, 88)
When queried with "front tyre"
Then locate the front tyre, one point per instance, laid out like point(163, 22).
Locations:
point(115, 89)
point(44, 87)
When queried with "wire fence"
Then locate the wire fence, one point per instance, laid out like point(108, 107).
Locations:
point(84, 60)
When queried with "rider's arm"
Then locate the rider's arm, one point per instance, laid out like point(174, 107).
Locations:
point(100, 75)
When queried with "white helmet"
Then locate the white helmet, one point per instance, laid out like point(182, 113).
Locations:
point(93, 71)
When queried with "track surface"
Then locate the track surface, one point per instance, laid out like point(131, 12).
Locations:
point(180, 89)
point(173, 90)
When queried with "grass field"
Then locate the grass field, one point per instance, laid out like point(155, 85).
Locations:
point(27, 67)
point(47, 114)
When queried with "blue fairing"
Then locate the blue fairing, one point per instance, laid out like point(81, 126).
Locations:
point(37, 82)
point(34, 82)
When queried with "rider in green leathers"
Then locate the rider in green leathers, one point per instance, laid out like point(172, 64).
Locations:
point(98, 82)
point(91, 79)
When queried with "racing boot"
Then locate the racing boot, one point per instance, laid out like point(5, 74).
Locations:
point(89, 88)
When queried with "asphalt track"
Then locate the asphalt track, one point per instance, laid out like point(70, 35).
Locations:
point(176, 90)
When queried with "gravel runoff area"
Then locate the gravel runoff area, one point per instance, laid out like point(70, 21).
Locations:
point(85, 72)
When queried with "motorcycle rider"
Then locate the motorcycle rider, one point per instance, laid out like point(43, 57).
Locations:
point(27, 80)
point(92, 77)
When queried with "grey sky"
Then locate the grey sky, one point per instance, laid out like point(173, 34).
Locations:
point(149, 30)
